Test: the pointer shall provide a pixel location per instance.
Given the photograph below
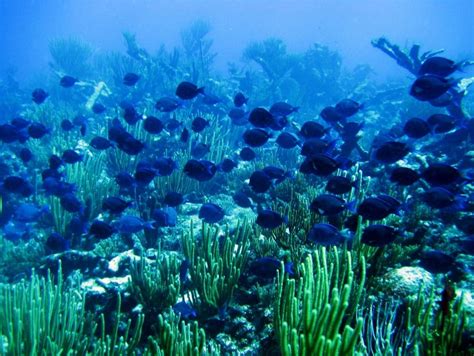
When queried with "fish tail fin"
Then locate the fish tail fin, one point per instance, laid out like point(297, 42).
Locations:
point(344, 162)
point(405, 207)
point(460, 203)
point(45, 209)
point(149, 225)
point(352, 206)
point(288, 267)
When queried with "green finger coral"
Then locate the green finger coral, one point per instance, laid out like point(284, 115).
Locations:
point(216, 262)
point(313, 315)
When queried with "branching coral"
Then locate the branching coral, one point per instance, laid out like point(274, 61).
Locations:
point(438, 328)
point(318, 73)
point(178, 338)
point(39, 317)
point(115, 344)
point(411, 60)
point(312, 315)
point(197, 49)
point(418, 327)
point(271, 55)
point(42, 317)
point(92, 181)
point(292, 236)
point(378, 334)
point(156, 286)
point(133, 49)
point(71, 56)
point(20, 257)
point(216, 263)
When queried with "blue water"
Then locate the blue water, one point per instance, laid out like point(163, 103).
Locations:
point(141, 141)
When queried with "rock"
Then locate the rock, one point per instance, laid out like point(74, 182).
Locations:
point(85, 261)
point(239, 214)
point(243, 329)
point(468, 158)
point(227, 344)
point(105, 285)
point(406, 281)
point(101, 293)
point(92, 287)
point(122, 260)
point(468, 305)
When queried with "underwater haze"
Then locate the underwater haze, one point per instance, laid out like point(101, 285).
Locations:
point(237, 177)
point(27, 26)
